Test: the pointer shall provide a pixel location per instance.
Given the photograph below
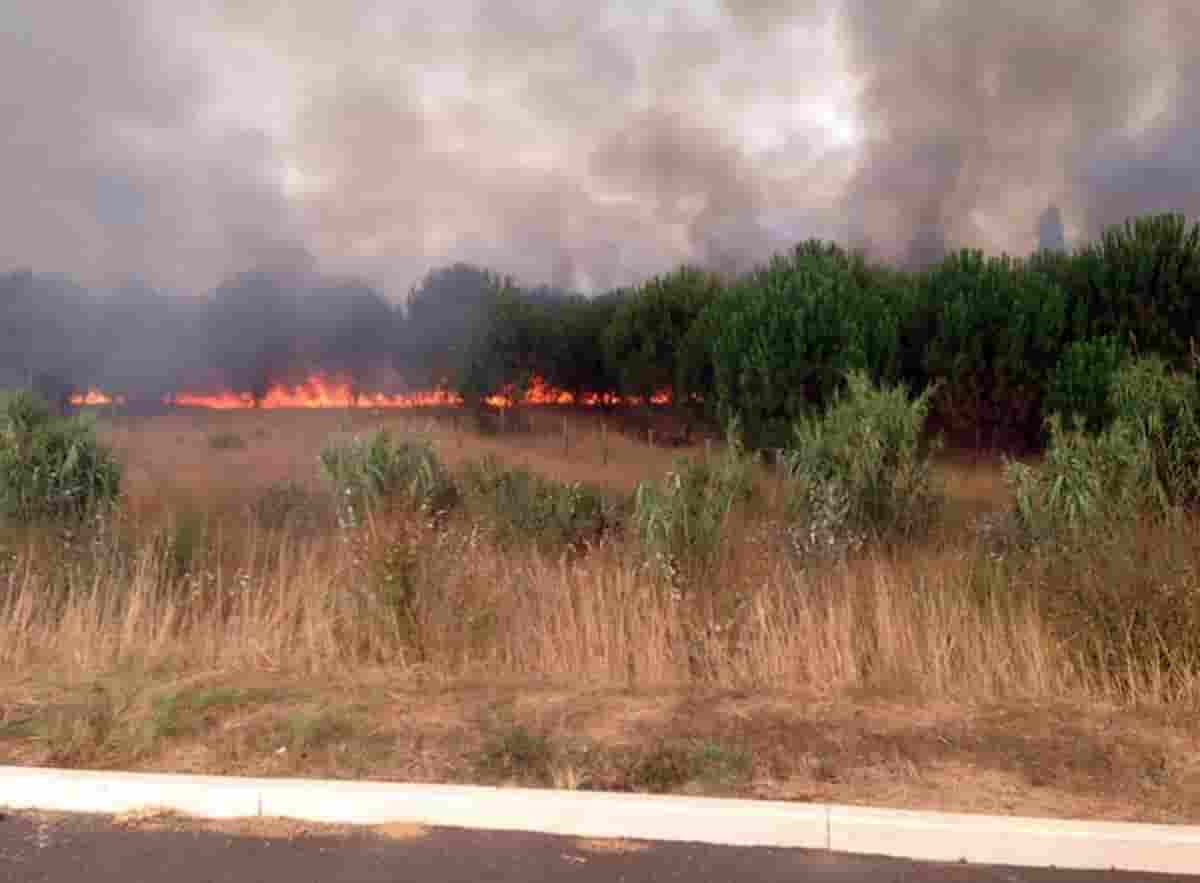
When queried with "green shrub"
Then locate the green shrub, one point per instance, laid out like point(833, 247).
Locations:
point(1083, 481)
point(861, 470)
point(672, 765)
point(1083, 380)
point(381, 470)
point(51, 467)
point(1146, 462)
point(681, 519)
point(1162, 409)
point(226, 441)
point(521, 507)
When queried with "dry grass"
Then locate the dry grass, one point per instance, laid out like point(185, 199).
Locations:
point(897, 677)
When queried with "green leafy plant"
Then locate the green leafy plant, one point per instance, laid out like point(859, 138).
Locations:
point(1146, 462)
point(50, 466)
point(381, 470)
point(861, 470)
point(520, 506)
point(680, 520)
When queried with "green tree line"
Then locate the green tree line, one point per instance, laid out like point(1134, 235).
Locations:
point(1000, 341)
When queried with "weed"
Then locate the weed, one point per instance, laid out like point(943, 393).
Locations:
point(304, 731)
point(672, 765)
point(380, 470)
point(517, 754)
point(860, 470)
point(51, 467)
point(681, 519)
point(521, 507)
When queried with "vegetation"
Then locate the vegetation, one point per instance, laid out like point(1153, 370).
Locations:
point(861, 469)
point(51, 467)
point(580, 558)
point(369, 472)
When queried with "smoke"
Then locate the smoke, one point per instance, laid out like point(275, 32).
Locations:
point(236, 148)
point(980, 114)
point(1050, 231)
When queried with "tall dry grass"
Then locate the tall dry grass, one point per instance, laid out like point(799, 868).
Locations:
point(318, 605)
point(938, 619)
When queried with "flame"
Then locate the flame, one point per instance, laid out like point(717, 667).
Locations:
point(324, 392)
point(95, 397)
point(316, 392)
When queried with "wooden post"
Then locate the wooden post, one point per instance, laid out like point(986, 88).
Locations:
point(566, 439)
point(650, 436)
point(604, 441)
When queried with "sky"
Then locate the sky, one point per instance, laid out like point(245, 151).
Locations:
point(586, 145)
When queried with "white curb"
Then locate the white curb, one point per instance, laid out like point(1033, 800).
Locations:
point(900, 833)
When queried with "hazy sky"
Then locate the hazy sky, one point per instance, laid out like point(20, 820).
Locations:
point(584, 144)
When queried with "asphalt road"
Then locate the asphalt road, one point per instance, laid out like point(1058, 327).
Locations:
point(87, 849)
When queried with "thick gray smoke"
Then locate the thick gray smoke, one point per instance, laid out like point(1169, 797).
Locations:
point(584, 146)
point(978, 115)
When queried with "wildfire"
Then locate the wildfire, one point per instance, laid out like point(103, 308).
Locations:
point(322, 392)
point(316, 392)
point(94, 397)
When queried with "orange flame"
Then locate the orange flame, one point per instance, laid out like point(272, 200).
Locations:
point(322, 392)
point(94, 397)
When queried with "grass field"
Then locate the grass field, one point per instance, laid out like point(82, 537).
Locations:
point(221, 621)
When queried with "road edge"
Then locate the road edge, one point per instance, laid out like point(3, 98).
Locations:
point(932, 836)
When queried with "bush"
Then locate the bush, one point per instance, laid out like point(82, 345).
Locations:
point(51, 467)
point(1084, 481)
point(680, 520)
point(380, 470)
point(861, 469)
point(1161, 408)
point(1146, 462)
point(1082, 381)
point(521, 507)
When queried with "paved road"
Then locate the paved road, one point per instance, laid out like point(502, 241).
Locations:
point(86, 849)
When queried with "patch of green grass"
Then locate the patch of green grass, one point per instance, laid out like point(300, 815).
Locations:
point(514, 753)
point(185, 712)
point(672, 766)
point(307, 730)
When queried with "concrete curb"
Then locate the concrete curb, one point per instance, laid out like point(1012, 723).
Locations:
point(900, 833)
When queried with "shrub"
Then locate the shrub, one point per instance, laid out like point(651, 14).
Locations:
point(521, 507)
point(1082, 381)
point(1146, 462)
point(382, 470)
point(680, 520)
point(51, 467)
point(861, 469)
point(1161, 408)
point(1083, 481)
